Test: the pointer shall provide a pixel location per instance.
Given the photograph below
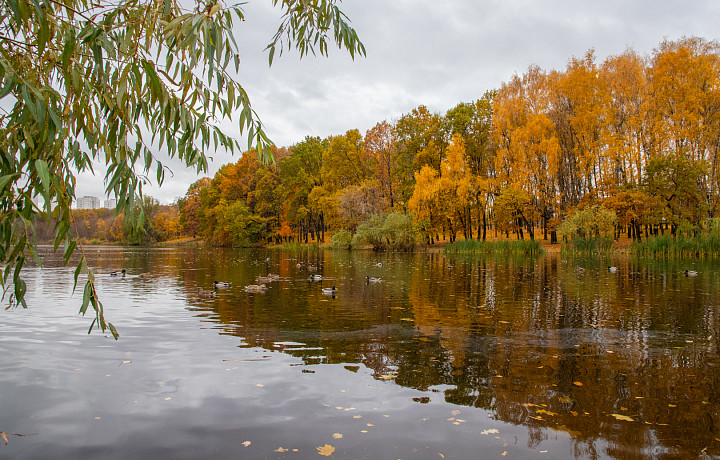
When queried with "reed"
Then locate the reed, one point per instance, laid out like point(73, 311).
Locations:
point(681, 246)
point(579, 245)
point(494, 247)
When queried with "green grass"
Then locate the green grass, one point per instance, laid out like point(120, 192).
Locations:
point(588, 245)
point(667, 246)
point(494, 247)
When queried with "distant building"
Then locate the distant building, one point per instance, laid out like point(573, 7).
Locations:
point(88, 202)
point(110, 203)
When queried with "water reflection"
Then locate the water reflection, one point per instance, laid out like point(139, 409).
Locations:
point(625, 363)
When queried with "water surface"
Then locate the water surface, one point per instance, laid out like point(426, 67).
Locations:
point(446, 357)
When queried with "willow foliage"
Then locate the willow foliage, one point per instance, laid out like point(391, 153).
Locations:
point(96, 82)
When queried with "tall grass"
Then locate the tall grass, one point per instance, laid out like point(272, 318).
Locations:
point(494, 247)
point(681, 246)
point(298, 247)
point(577, 244)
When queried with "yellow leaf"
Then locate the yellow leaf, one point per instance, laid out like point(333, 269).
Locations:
point(387, 377)
point(326, 450)
point(578, 384)
point(370, 424)
point(246, 443)
point(337, 435)
point(622, 417)
point(543, 411)
point(280, 449)
point(4, 436)
point(490, 431)
point(357, 416)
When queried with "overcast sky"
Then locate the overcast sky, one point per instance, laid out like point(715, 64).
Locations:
point(432, 53)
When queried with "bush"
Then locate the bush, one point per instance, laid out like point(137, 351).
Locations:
point(393, 231)
point(341, 240)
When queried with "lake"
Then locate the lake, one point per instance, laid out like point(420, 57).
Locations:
point(446, 357)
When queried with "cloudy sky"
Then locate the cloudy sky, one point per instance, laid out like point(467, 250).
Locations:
point(432, 53)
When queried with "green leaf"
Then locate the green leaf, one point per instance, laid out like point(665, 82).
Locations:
point(79, 268)
point(41, 167)
point(87, 292)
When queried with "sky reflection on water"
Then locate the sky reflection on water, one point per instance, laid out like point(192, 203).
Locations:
point(561, 357)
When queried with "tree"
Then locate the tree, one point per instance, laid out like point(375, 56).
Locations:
point(113, 83)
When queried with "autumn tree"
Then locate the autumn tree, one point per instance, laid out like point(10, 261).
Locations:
point(381, 145)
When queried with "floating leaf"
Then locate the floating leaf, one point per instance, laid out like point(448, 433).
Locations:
point(387, 377)
point(326, 450)
point(281, 449)
point(578, 384)
point(543, 411)
point(622, 417)
point(337, 435)
point(490, 431)
point(246, 443)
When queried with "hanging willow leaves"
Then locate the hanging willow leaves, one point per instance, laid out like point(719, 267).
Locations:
point(113, 84)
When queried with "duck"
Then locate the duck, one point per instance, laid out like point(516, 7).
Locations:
point(263, 279)
point(203, 294)
point(314, 277)
point(221, 284)
point(612, 269)
point(690, 273)
point(256, 288)
point(121, 273)
point(329, 291)
point(372, 279)
point(273, 276)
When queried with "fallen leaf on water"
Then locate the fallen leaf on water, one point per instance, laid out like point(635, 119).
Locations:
point(370, 424)
point(246, 443)
point(126, 362)
point(387, 377)
point(622, 417)
point(490, 431)
point(357, 416)
point(623, 408)
point(280, 449)
point(326, 450)
point(337, 435)
point(504, 453)
point(168, 398)
point(441, 455)
point(259, 385)
point(450, 419)
point(543, 411)
point(530, 405)
point(578, 384)
point(363, 431)
point(4, 436)
point(672, 405)
point(575, 414)
point(455, 412)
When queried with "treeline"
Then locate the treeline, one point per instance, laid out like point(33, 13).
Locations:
point(161, 223)
point(628, 146)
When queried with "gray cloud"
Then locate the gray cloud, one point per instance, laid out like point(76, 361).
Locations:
point(426, 52)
